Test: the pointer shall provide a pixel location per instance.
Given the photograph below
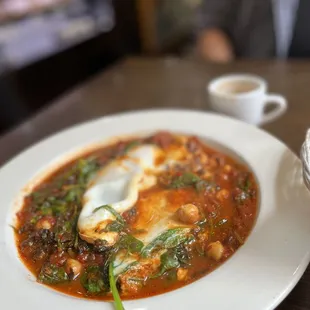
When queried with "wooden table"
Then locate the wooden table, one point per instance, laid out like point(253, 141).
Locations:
point(156, 83)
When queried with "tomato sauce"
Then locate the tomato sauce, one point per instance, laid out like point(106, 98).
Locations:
point(219, 197)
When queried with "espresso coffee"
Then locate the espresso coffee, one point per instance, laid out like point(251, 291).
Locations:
point(236, 87)
point(245, 97)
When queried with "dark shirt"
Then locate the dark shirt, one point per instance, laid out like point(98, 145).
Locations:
point(248, 23)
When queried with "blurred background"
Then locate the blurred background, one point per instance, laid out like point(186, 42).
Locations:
point(49, 46)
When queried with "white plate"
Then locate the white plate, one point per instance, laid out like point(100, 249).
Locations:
point(258, 276)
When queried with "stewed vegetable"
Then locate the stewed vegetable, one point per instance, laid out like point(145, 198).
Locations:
point(136, 218)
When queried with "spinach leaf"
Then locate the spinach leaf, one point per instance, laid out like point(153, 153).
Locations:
point(172, 259)
point(182, 254)
point(128, 267)
point(128, 243)
point(131, 244)
point(115, 226)
point(171, 275)
point(184, 180)
point(166, 240)
point(118, 217)
point(92, 280)
point(168, 260)
point(117, 300)
point(51, 274)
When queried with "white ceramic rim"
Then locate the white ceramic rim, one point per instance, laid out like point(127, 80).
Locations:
point(257, 277)
point(212, 87)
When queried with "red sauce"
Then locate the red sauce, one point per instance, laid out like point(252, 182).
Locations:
point(224, 192)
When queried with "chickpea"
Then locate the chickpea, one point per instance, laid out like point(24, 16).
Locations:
point(213, 163)
point(204, 159)
point(222, 195)
point(182, 274)
point(203, 236)
point(73, 267)
point(215, 250)
point(188, 214)
point(208, 175)
point(46, 222)
point(227, 168)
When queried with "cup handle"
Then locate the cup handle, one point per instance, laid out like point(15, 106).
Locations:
point(281, 106)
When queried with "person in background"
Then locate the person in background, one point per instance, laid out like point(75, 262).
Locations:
point(231, 29)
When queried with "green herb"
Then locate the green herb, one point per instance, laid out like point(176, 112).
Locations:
point(46, 209)
point(118, 217)
point(38, 197)
point(117, 300)
point(168, 260)
point(245, 183)
point(171, 275)
point(173, 258)
point(182, 254)
point(51, 274)
point(53, 207)
point(128, 267)
point(130, 243)
point(85, 169)
point(74, 194)
point(131, 145)
point(184, 180)
point(166, 240)
point(34, 219)
point(59, 208)
point(115, 226)
point(92, 280)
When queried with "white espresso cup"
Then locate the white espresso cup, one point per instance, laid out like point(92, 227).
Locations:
point(245, 97)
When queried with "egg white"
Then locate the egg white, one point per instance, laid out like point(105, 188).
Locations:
point(118, 186)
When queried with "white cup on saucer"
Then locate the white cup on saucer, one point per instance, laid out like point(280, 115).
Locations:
point(245, 97)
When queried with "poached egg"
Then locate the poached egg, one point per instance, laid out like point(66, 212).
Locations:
point(117, 185)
